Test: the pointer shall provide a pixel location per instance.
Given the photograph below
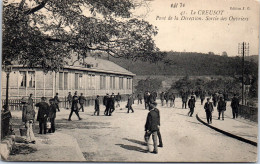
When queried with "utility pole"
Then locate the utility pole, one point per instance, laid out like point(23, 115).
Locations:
point(243, 49)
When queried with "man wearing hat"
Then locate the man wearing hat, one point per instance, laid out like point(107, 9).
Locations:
point(52, 115)
point(42, 116)
point(28, 116)
point(235, 106)
point(191, 104)
point(30, 100)
point(209, 109)
point(152, 126)
point(74, 107)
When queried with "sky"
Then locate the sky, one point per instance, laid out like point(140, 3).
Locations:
point(204, 35)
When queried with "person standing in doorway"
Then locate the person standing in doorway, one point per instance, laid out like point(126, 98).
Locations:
point(82, 100)
point(209, 109)
point(28, 116)
point(191, 104)
point(57, 101)
point(42, 116)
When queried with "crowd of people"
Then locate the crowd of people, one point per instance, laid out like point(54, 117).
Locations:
point(47, 112)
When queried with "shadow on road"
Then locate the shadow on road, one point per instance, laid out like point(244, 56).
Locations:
point(130, 147)
point(136, 141)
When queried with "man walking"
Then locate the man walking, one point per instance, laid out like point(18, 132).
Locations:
point(57, 101)
point(74, 107)
point(146, 100)
point(152, 126)
point(166, 97)
point(139, 97)
point(158, 132)
point(202, 97)
point(43, 113)
point(162, 98)
point(221, 108)
point(184, 98)
point(130, 103)
point(191, 104)
point(69, 99)
point(97, 109)
point(118, 99)
point(52, 115)
point(82, 100)
point(112, 104)
point(172, 99)
point(106, 104)
point(235, 106)
point(209, 109)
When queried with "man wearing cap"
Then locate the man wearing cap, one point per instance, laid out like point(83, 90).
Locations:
point(209, 109)
point(30, 100)
point(191, 104)
point(57, 101)
point(43, 113)
point(152, 126)
point(221, 108)
point(28, 116)
point(82, 100)
point(69, 98)
point(74, 107)
point(52, 115)
point(235, 106)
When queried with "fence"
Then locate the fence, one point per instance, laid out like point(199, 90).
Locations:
point(248, 112)
point(15, 104)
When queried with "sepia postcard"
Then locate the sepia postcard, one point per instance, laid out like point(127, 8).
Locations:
point(129, 80)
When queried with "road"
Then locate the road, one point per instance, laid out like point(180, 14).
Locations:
point(121, 137)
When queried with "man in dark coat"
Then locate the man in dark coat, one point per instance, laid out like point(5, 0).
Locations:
point(52, 115)
point(166, 97)
point(158, 132)
point(118, 99)
point(82, 100)
point(172, 99)
point(202, 97)
point(154, 94)
point(152, 126)
point(69, 99)
point(106, 104)
point(209, 109)
point(146, 97)
point(130, 103)
point(42, 115)
point(162, 98)
point(30, 100)
point(191, 104)
point(184, 99)
point(215, 99)
point(74, 107)
point(221, 107)
point(139, 97)
point(235, 106)
point(97, 108)
point(112, 104)
point(57, 101)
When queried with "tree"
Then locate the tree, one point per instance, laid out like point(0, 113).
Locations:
point(47, 32)
point(149, 85)
point(224, 53)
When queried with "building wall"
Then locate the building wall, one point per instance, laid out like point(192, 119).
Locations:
point(41, 84)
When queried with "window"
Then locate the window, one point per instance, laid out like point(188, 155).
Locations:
point(91, 81)
point(22, 79)
point(65, 80)
point(129, 83)
point(61, 80)
point(31, 78)
point(80, 81)
point(112, 82)
point(121, 83)
point(76, 81)
point(102, 82)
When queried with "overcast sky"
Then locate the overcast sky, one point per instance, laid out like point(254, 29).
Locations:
point(204, 36)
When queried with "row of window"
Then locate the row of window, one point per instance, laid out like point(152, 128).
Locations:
point(27, 79)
